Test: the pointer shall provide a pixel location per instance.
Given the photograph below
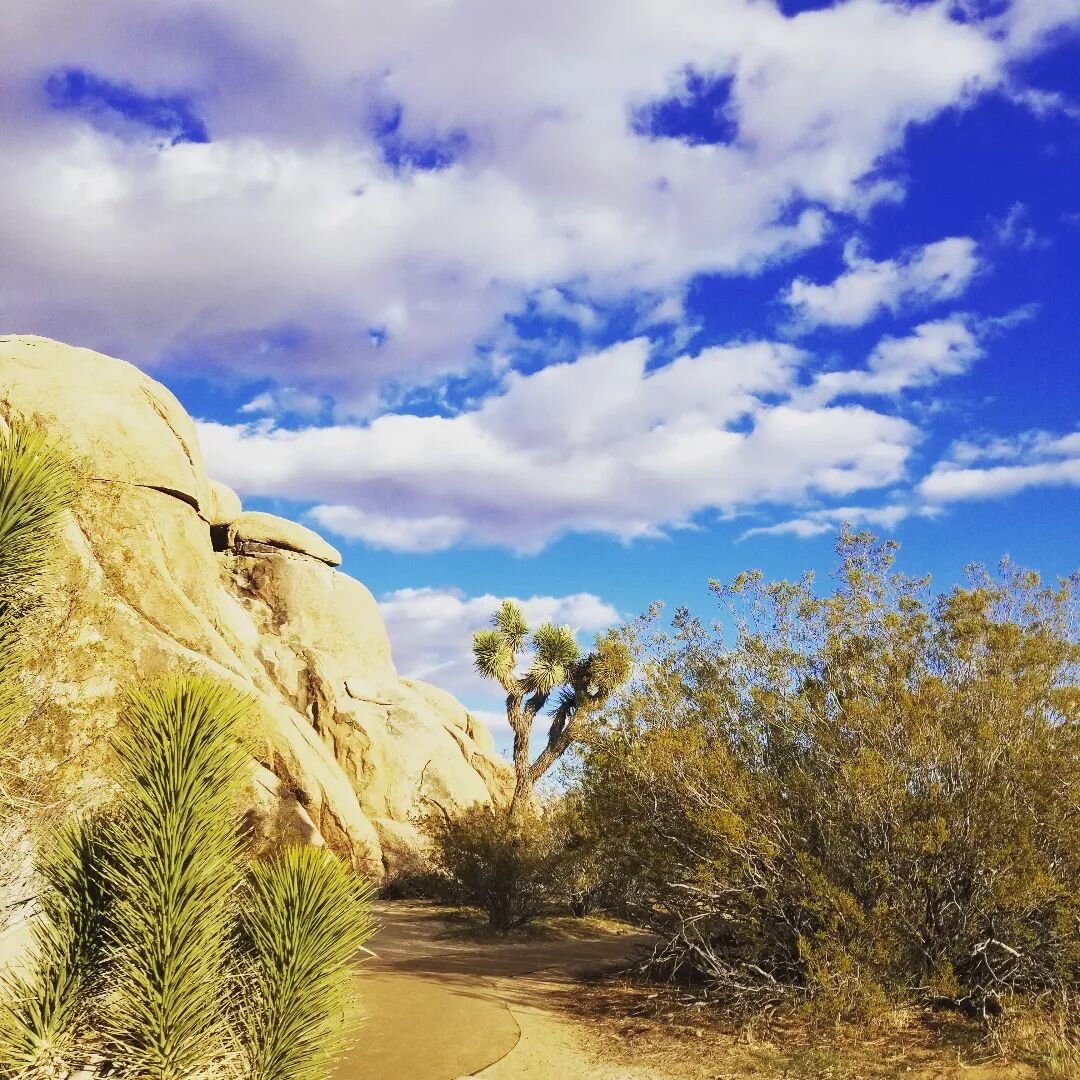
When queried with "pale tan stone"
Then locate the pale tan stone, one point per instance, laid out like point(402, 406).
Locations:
point(225, 505)
point(254, 530)
point(345, 752)
point(125, 426)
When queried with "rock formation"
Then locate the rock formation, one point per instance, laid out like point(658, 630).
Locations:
point(162, 568)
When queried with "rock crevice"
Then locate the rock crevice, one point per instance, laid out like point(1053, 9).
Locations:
point(345, 752)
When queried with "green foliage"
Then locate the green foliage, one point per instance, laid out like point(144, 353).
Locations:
point(511, 626)
point(585, 880)
point(554, 653)
point(582, 685)
point(46, 1011)
point(846, 797)
point(303, 916)
point(511, 866)
point(154, 949)
point(37, 484)
point(172, 873)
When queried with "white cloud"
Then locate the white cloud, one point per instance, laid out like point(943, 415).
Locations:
point(932, 351)
point(1000, 467)
point(1015, 230)
point(818, 522)
point(936, 272)
point(431, 634)
point(815, 523)
point(600, 445)
point(284, 401)
point(288, 239)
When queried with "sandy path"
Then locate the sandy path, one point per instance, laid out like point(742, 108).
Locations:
point(438, 1008)
point(550, 1045)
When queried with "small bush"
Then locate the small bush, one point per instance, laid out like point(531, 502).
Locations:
point(511, 867)
point(418, 880)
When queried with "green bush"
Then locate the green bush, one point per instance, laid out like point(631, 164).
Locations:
point(511, 866)
point(45, 1012)
point(848, 797)
point(173, 873)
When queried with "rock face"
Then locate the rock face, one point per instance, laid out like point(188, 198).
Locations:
point(252, 532)
point(162, 569)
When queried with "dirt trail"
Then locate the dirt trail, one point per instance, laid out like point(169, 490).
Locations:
point(437, 1007)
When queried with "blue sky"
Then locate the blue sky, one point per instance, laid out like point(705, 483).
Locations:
point(583, 304)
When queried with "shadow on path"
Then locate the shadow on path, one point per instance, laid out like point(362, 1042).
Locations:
point(437, 1007)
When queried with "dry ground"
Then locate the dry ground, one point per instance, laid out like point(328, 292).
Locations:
point(444, 999)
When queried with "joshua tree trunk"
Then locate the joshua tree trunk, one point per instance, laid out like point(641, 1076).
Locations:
point(523, 785)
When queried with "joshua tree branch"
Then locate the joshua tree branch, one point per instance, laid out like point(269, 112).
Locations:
point(533, 705)
point(560, 740)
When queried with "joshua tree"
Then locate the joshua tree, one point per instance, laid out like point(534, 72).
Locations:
point(581, 685)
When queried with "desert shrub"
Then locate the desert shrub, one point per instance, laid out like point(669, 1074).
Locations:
point(173, 873)
point(511, 866)
point(418, 880)
point(846, 797)
point(586, 880)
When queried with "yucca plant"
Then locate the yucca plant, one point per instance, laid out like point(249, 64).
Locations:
point(583, 685)
point(37, 484)
point(45, 1010)
point(153, 949)
point(173, 873)
point(303, 916)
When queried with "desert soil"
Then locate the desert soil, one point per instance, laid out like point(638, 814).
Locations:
point(439, 1002)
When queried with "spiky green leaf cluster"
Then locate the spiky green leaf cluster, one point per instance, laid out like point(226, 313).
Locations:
point(37, 484)
point(173, 872)
point(495, 651)
point(510, 622)
point(555, 651)
point(303, 917)
point(44, 1011)
point(144, 953)
point(492, 658)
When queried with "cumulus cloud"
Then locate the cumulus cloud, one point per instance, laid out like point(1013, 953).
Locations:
point(936, 272)
point(431, 634)
point(998, 467)
point(931, 352)
point(286, 400)
point(308, 229)
point(818, 522)
point(601, 445)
